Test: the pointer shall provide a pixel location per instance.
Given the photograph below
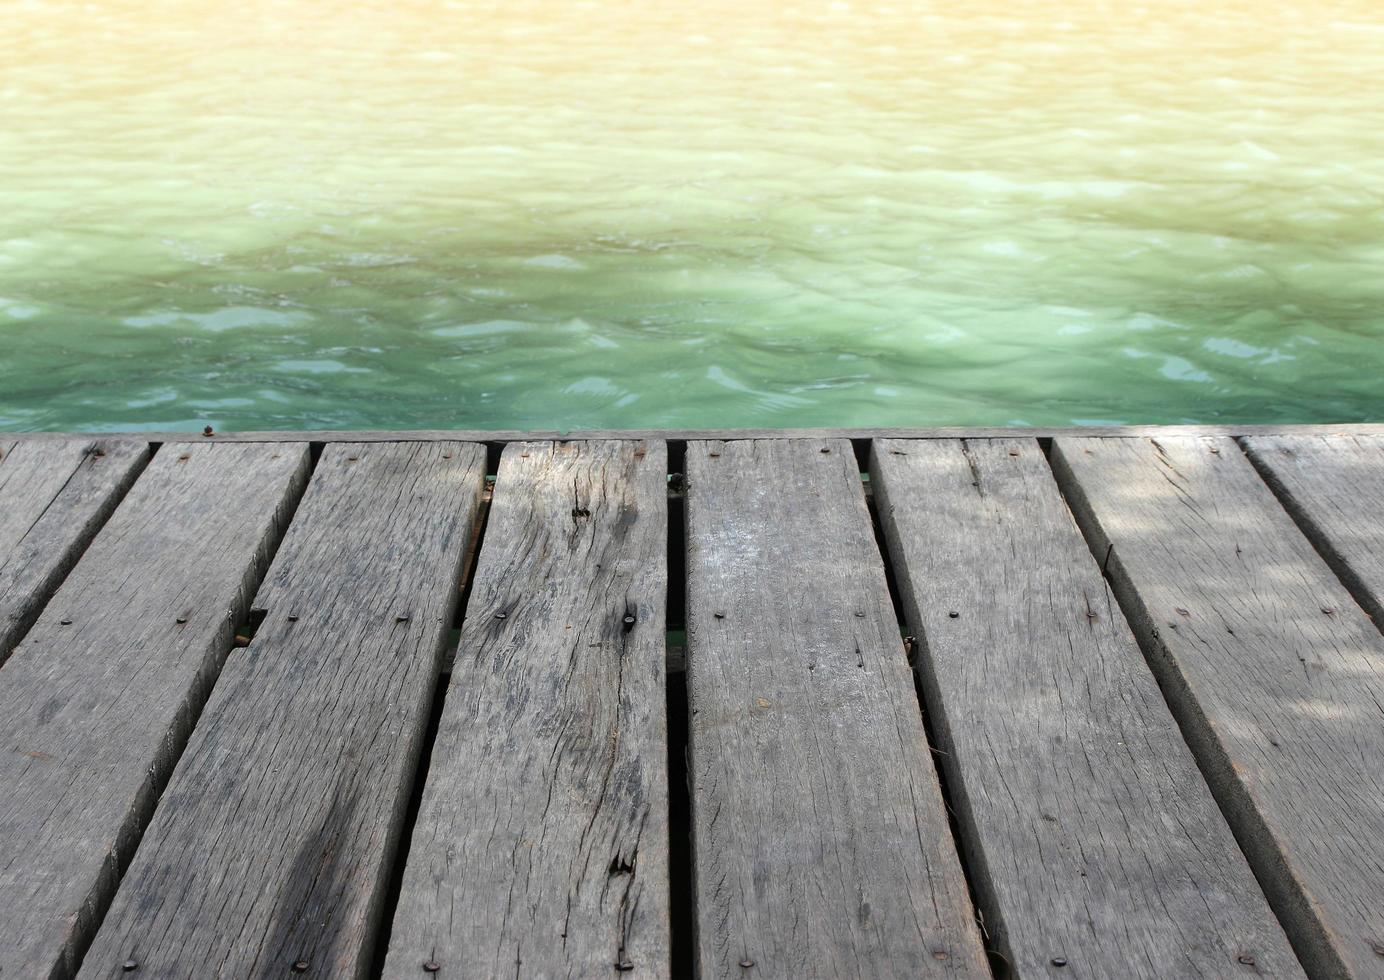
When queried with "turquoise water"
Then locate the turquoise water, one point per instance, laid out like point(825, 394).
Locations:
point(620, 214)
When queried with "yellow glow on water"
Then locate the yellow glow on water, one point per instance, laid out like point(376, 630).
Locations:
point(546, 214)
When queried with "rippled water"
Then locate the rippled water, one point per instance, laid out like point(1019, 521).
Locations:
point(719, 213)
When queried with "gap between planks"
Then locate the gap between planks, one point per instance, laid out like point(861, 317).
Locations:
point(119, 814)
point(1315, 888)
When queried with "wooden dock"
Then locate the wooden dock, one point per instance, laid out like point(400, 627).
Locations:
point(1063, 703)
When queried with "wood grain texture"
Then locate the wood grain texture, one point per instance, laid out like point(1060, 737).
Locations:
point(98, 699)
point(1091, 835)
point(822, 845)
point(269, 852)
point(54, 496)
point(541, 846)
point(1334, 488)
point(1275, 674)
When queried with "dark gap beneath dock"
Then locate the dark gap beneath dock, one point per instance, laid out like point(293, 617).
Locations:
point(246, 629)
point(676, 611)
point(682, 904)
point(999, 964)
point(677, 455)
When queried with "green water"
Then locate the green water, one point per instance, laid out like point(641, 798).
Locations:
point(634, 214)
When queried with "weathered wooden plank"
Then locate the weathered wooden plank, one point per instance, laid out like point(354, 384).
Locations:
point(494, 436)
point(541, 846)
point(1334, 487)
point(1091, 836)
point(269, 852)
point(1275, 674)
point(98, 699)
point(54, 496)
point(822, 845)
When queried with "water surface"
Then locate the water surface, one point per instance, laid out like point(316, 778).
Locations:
point(638, 213)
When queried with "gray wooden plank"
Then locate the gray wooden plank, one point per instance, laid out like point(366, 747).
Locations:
point(272, 843)
point(541, 846)
point(1275, 674)
point(933, 432)
point(1091, 836)
point(54, 496)
point(821, 841)
point(1334, 487)
point(98, 698)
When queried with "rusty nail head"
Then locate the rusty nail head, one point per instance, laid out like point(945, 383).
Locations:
point(185, 456)
point(940, 954)
point(129, 966)
point(1059, 961)
point(746, 963)
point(713, 455)
point(431, 966)
point(301, 966)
